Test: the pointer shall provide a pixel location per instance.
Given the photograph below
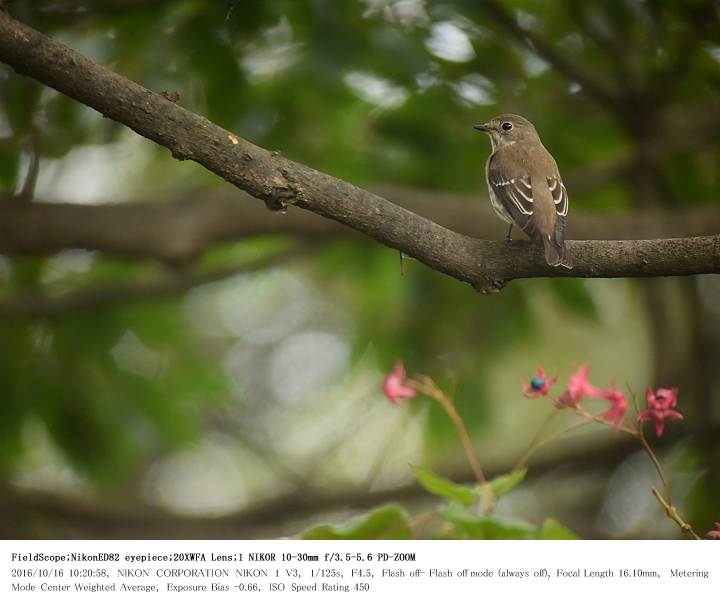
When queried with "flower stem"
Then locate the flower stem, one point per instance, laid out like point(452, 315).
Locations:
point(666, 501)
point(538, 442)
point(535, 440)
point(592, 417)
point(426, 385)
point(656, 464)
point(452, 413)
point(671, 512)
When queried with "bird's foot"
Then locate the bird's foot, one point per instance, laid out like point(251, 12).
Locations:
point(508, 237)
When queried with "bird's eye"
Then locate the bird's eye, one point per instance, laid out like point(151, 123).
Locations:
point(506, 126)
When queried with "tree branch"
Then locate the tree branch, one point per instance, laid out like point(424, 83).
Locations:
point(66, 9)
point(487, 266)
point(178, 230)
point(616, 50)
point(275, 516)
point(595, 88)
point(39, 306)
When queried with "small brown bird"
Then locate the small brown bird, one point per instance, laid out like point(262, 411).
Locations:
point(525, 185)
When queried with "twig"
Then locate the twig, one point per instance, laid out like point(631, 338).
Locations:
point(536, 438)
point(656, 464)
point(419, 522)
point(27, 192)
point(427, 386)
point(599, 419)
point(230, 10)
point(640, 436)
point(671, 512)
point(537, 443)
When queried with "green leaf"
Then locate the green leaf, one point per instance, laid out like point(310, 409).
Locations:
point(552, 530)
point(488, 528)
point(502, 484)
point(389, 522)
point(445, 488)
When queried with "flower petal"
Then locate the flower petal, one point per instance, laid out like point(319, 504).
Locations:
point(394, 385)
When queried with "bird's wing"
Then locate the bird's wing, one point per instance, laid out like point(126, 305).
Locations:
point(515, 193)
point(559, 194)
point(560, 198)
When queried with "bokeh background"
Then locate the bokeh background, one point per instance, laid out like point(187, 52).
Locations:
point(235, 392)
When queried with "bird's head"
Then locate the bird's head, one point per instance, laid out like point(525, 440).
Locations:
point(507, 129)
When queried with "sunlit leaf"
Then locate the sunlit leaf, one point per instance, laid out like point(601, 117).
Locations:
point(440, 486)
point(502, 484)
point(389, 522)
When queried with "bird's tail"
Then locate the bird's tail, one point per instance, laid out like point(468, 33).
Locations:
point(555, 252)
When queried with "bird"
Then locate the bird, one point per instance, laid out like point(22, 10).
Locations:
point(525, 185)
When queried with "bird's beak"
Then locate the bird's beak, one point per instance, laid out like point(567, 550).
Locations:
point(483, 127)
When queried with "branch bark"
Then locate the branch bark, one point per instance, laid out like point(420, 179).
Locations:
point(485, 265)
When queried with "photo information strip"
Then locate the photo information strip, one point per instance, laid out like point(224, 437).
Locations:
point(288, 571)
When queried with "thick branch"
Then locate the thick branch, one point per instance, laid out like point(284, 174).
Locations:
point(281, 182)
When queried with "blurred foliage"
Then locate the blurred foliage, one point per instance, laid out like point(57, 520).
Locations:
point(456, 519)
point(464, 495)
point(372, 91)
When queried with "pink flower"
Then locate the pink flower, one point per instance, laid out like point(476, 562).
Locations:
point(662, 399)
point(394, 384)
point(539, 386)
point(714, 534)
point(659, 408)
point(618, 406)
point(577, 388)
